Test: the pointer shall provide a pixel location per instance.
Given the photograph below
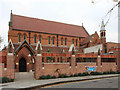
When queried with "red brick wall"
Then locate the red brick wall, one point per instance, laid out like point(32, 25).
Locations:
point(3, 73)
point(50, 68)
point(13, 35)
point(111, 45)
point(95, 40)
point(81, 66)
point(108, 67)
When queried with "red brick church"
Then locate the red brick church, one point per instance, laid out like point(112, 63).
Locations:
point(42, 46)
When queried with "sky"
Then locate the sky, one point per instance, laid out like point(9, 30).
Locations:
point(66, 11)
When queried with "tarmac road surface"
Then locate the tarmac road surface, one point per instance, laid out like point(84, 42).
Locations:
point(97, 83)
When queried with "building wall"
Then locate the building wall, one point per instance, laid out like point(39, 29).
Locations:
point(95, 40)
point(14, 36)
point(111, 45)
point(3, 72)
point(109, 66)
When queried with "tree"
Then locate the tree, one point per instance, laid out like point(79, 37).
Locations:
point(1, 39)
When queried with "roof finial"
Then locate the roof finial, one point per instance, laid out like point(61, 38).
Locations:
point(82, 24)
point(102, 25)
point(10, 22)
point(11, 11)
point(11, 16)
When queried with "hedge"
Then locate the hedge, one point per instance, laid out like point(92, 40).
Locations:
point(79, 74)
point(5, 80)
point(96, 73)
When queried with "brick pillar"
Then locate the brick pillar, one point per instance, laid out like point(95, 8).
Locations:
point(38, 66)
point(10, 66)
point(99, 66)
point(73, 61)
point(118, 61)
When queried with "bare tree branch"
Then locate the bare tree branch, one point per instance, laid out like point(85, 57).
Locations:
point(1, 39)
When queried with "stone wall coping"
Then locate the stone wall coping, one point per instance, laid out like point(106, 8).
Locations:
point(39, 54)
point(85, 62)
point(10, 54)
point(56, 63)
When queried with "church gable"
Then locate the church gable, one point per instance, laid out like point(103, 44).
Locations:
point(95, 39)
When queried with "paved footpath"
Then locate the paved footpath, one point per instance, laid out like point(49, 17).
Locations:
point(31, 83)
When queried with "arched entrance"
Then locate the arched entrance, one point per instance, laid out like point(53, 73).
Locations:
point(22, 65)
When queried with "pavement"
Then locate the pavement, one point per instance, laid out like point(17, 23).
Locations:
point(28, 82)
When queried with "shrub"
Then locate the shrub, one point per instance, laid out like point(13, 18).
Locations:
point(5, 80)
point(71, 75)
point(96, 73)
point(79, 74)
point(48, 77)
point(85, 74)
point(106, 72)
point(42, 77)
point(112, 72)
point(75, 75)
point(53, 77)
point(63, 76)
point(11, 80)
point(0, 80)
point(118, 72)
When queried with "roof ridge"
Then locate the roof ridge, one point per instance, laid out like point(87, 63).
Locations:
point(48, 20)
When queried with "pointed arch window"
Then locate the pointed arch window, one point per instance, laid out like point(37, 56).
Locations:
point(102, 34)
point(53, 40)
point(76, 42)
point(49, 40)
point(61, 41)
point(24, 36)
point(19, 38)
point(73, 41)
point(40, 39)
point(35, 39)
point(65, 41)
point(57, 59)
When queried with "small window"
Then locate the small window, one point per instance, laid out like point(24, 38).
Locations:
point(65, 41)
point(19, 38)
point(35, 39)
point(67, 59)
point(102, 34)
point(112, 47)
point(48, 40)
point(15, 66)
point(73, 41)
point(53, 40)
point(61, 41)
point(53, 59)
point(24, 36)
point(40, 39)
point(42, 59)
point(57, 59)
point(76, 42)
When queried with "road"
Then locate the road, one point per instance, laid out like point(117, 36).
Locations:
point(97, 83)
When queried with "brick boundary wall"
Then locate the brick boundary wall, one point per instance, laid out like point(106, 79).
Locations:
point(67, 68)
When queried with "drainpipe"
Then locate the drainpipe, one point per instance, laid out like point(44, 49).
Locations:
point(29, 37)
point(57, 40)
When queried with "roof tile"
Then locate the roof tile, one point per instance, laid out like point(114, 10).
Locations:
point(40, 25)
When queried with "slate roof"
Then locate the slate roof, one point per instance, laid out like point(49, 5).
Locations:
point(45, 26)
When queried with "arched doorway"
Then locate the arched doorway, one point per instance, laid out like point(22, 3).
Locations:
point(22, 65)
